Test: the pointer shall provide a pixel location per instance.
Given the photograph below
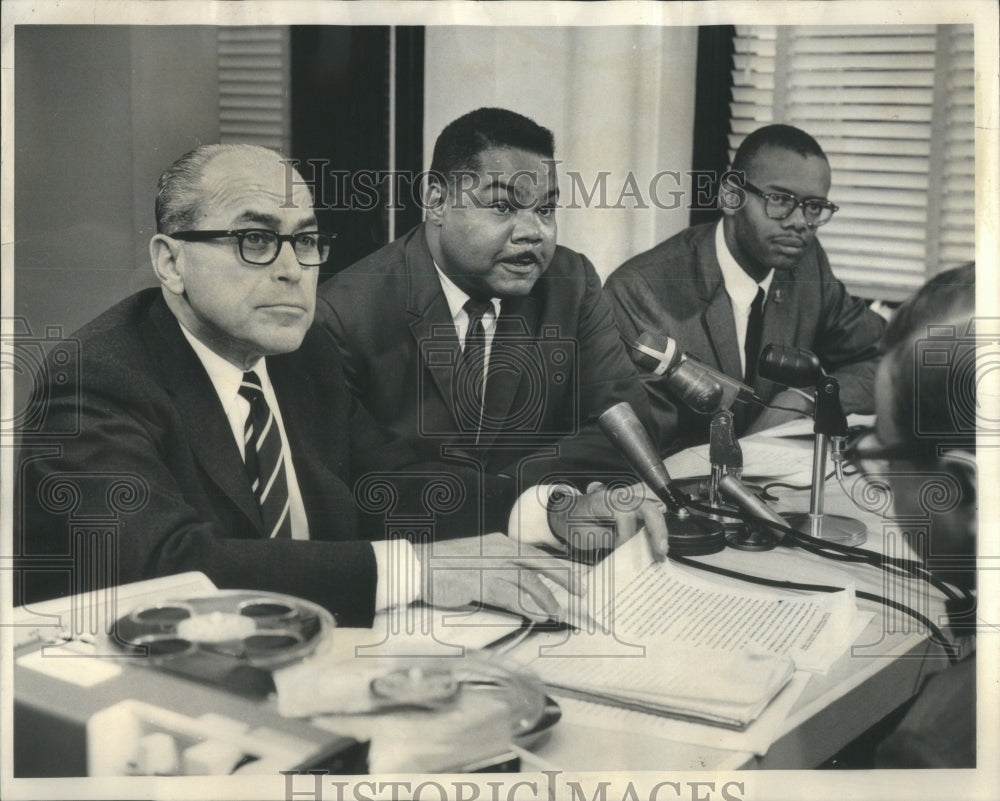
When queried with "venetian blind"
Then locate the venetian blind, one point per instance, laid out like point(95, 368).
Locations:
point(254, 86)
point(892, 107)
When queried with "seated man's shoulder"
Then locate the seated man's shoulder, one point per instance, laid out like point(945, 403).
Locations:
point(115, 337)
point(663, 257)
point(370, 275)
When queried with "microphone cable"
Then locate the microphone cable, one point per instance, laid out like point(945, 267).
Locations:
point(893, 565)
point(937, 636)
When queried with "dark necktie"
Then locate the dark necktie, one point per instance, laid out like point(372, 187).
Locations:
point(755, 326)
point(264, 460)
point(471, 373)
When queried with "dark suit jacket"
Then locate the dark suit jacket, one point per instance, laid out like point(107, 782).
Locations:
point(676, 290)
point(154, 459)
point(556, 363)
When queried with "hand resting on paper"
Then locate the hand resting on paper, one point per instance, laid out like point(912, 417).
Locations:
point(606, 517)
point(496, 571)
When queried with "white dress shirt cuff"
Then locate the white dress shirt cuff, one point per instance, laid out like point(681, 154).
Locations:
point(398, 574)
point(529, 519)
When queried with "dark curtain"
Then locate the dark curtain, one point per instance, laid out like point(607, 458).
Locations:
point(340, 130)
point(713, 94)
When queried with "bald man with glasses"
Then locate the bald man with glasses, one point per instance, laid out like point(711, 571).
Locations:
point(213, 419)
point(725, 290)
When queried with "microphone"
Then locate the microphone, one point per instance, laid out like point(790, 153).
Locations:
point(699, 386)
point(687, 534)
point(793, 367)
point(734, 491)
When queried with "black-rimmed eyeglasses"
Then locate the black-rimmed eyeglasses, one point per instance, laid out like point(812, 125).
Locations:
point(781, 206)
point(260, 246)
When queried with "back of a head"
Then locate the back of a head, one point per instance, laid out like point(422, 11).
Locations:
point(786, 137)
point(930, 354)
point(458, 146)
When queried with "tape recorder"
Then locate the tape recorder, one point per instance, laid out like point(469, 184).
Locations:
point(178, 687)
point(184, 684)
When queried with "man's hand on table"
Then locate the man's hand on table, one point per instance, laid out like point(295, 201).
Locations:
point(497, 571)
point(605, 518)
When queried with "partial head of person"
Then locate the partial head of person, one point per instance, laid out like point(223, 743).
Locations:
point(491, 203)
point(774, 199)
point(924, 442)
point(237, 250)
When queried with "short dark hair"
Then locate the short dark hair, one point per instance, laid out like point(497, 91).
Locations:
point(787, 137)
point(458, 146)
point(178, 193)
point(945, 396)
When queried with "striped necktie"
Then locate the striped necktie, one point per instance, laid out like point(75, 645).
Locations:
point(265, 460)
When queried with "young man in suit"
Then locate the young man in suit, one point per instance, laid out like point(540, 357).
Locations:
point(475, 336)
point(759, 270)
point(212, 418)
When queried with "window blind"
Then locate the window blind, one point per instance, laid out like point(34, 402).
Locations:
point(892, 107)
point(254, 86)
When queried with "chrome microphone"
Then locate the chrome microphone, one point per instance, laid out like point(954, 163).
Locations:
point(687, 534)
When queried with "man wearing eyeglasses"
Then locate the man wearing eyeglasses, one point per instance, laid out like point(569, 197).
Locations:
point(725, 290)
point(922, 450)
point(213, 419)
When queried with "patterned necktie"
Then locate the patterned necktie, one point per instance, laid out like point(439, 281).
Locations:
point(264, 460)
point(751, 347)
point(471, 369)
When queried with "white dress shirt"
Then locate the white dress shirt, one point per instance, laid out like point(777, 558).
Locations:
point(741, 288)
point(456, 305)
point(226, 377)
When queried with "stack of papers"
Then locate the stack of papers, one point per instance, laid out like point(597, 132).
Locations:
point(656, 638)
point(721, 689)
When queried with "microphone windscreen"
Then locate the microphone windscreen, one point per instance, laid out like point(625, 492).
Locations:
point(655, 353)
point(793, 367)
point(622, 426)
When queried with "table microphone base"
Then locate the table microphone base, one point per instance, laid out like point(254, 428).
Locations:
point(693, 535)
point(832, 528)
point(743, 537)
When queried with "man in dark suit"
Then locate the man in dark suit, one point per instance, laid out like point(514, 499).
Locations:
point(475, 336)
point(923, 449)
point(759, 276)
point(211, 419)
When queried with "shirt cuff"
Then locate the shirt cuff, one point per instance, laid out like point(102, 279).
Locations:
point(397, 572)
point(529, 519)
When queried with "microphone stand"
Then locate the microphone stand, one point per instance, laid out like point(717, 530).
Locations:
point(829, 424)
point(726, 457)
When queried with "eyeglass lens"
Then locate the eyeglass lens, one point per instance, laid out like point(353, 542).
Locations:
point(261, 247)
point(779, 206)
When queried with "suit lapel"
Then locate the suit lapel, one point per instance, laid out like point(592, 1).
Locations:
point(211, 438)
point(431, 324)
point(720, 327)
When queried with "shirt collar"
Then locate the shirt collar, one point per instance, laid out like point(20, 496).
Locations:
point(456, 297)
point(740, 287)
point(225, 376)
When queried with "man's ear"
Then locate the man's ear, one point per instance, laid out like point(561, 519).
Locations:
point(435, 195)
point(965, 471)
point(165, 254)
point(732, 195)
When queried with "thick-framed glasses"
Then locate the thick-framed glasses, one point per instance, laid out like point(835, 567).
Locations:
point(260, 246)
point(781, 205)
